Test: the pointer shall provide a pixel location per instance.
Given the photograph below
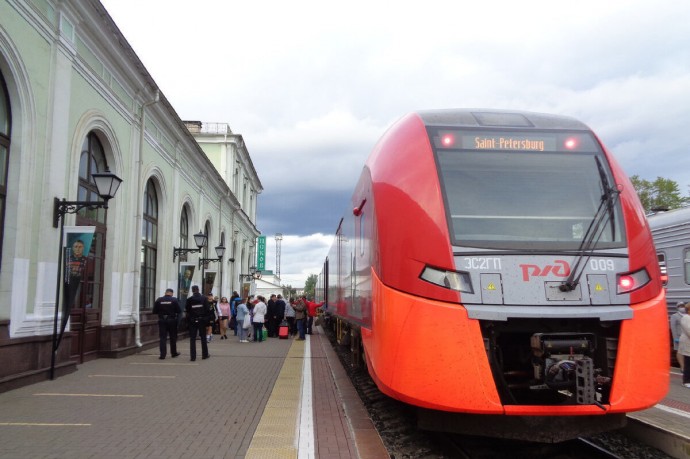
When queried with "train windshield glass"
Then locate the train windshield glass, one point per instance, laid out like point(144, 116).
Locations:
point(525, 190)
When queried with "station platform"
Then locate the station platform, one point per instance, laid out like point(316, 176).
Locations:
point(666, 426)
point(275, 399)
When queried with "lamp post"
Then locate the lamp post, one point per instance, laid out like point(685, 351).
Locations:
point(279, 238)
point(253, 274)
point(200, 241)
point(107, 185)
point(220, 251)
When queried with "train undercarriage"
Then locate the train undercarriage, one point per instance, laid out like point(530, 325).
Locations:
point(541, 362)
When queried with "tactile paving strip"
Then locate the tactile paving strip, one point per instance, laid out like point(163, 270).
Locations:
point(276, 434)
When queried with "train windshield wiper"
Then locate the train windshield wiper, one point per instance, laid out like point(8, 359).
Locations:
point(602, 217)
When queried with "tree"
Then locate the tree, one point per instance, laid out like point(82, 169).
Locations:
point(310, 285)
point(662, 193)
point(289, 291)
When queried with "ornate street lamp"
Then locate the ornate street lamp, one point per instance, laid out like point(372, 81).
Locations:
point(203, 262)
point(253, 274)
point(107, 185)
point(199, 240)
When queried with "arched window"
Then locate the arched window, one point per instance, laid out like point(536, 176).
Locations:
point(85, 311)
point(207, 231)
point(5, 128)
point(184, 232)
point(92, 160)
point(184, 228)
point(149, 244)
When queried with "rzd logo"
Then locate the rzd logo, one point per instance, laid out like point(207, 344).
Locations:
point(560, 268)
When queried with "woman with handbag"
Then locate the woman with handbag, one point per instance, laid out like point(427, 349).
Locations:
point(244, 321)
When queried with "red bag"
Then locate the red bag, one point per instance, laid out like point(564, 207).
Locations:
point(283, 330)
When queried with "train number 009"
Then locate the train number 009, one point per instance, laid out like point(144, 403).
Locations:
point(601, 265)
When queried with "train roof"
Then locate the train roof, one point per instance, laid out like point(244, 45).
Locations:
point(669, 218)
point(481, 117)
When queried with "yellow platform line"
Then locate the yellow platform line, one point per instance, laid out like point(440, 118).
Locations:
point(276, 434)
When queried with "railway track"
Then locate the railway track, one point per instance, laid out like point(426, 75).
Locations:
point(397, 425)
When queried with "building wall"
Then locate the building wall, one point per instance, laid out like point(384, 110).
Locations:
point(69, 72)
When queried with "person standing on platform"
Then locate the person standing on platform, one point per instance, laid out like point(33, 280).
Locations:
point(311, 312)
point(223, 316)
point(212, 317)
point(300, 315)
point(258, 318)
point(235, 301)
point(242, 312)
point(168, 308)
point(676, 331)
point(290, 316)
point(272, 322)
point(280, 311)
point(198, 314)
point(684, 347)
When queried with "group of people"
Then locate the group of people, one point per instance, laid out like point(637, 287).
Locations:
point(680, 331)
point(246, 318)
point(255, 312)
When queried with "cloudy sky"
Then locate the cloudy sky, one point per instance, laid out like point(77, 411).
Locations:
point(311, 85)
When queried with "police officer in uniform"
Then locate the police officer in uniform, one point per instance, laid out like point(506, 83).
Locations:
point(167, 308)
point(198, 310)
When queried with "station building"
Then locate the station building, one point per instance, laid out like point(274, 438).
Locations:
point(75, 100)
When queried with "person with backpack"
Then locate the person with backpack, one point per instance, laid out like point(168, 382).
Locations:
point(235, 301)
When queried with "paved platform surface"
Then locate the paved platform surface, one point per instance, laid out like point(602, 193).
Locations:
point(666, 425)
point(279, 398)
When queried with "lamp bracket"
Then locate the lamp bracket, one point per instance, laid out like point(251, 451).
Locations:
point(205, 261)
point(62, 207)
point(183, 250)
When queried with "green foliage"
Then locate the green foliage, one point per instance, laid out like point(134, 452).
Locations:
point(662, 193)
point(289, 291)
point(310, 285)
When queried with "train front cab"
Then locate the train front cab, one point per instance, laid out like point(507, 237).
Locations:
point(449, 373)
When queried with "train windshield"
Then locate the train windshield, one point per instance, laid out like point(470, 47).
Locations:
point(526, 190)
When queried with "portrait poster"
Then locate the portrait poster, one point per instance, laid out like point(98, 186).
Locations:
point(76, 245)
point(185, 282)
point(209, 280)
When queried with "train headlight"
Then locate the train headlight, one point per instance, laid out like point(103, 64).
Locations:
point(627, 282)
point(454, 280)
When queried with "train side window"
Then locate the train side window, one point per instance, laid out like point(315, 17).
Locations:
point(686, 265)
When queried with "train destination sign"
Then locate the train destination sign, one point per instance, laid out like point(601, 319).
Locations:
point(506, 143)
point(514, 141)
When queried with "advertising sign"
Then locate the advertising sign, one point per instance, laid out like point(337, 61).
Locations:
point(261, 254)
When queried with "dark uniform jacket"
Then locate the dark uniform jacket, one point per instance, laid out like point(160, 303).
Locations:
point(167, 307)
point(197, 308)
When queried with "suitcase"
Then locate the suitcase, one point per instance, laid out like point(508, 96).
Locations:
point(283, 330)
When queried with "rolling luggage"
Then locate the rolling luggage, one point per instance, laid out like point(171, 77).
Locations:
point(283, 330)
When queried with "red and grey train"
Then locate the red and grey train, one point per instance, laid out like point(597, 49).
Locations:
point(498, 272)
